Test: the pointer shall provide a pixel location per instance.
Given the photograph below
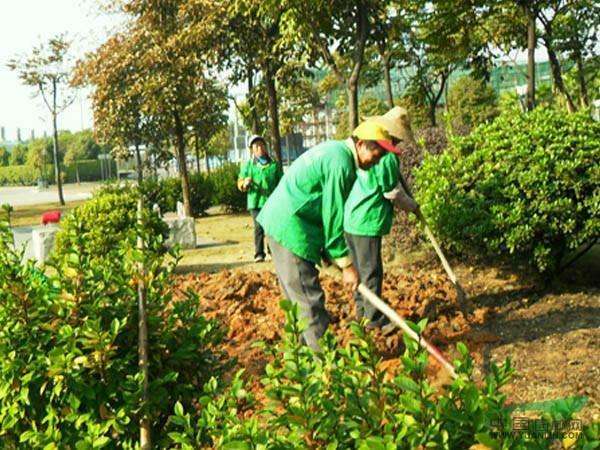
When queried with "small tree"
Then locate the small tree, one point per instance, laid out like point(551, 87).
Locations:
point(18, 154)
point(471, 102)
point(75, 153)
point(38, 156)
point(46, 70)
point(4, 156)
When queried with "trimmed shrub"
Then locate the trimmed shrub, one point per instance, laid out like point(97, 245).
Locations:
point(225, 191)
point(102, 226)
point(25, 175)
point(525, 186)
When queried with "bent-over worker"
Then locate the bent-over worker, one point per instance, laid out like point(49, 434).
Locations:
point(369, 213)
point(304, 219)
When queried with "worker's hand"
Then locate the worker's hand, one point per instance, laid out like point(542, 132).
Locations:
point(406, 203)
point(350, 277)
point(401, 199)
point(247, 183)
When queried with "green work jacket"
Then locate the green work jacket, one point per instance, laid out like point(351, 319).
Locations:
point(367, 211)
point(264, 180)
point(305, 213)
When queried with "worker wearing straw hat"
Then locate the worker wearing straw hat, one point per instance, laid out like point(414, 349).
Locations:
point(303, 218)
point(258, 177)
point(369, 212)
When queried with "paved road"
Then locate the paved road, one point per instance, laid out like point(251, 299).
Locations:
point(30, 195)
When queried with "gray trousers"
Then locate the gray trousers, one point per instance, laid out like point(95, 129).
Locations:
point(366, 254)
point(259, 235)
point(299, 279)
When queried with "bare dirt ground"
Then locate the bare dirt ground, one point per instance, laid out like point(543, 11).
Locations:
point(551, 334)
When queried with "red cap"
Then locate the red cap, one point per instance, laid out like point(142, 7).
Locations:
point(389, 146)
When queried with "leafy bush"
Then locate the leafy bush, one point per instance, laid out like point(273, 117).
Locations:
point(471, 102)
point(69, 376)
point(526, 185)
point(102, 225)
point(342, 398)
point(17, 176)
point(225, 191)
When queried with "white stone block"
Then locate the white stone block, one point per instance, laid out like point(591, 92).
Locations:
point(182, 231)
point(180, 210)
point(42, 241)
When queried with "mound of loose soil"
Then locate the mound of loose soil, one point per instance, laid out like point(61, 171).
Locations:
point(247, 303)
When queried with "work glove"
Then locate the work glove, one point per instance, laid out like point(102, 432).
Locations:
point(401, 199)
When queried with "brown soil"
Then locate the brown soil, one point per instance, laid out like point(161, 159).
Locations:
point(552, 335)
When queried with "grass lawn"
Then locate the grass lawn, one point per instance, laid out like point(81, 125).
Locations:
point(29, 215)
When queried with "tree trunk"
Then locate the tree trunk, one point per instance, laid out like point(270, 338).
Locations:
point(197, 149)
point(431, 114)
point(183, 171)
point(531, 44)
point(558, 79)
point(251, 103)
point(353, 120)
point(77, 172)
point(206, 162)
point(583, 92)
point(138, 162)
point(388, 80)
point(352, 84)
point(57, 171)
point(273, 113)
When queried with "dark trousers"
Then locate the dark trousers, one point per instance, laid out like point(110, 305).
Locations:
point(259, 236)
point(366, 253)
point(299, 279)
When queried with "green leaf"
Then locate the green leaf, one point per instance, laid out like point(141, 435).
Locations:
point(236, 445)
point(485, 439)
point(178, 409)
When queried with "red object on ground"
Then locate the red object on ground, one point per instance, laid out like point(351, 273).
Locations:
point(50, 217)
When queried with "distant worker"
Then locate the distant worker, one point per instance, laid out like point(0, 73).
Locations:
point(304, 219)
point(369, 212)
point(258, 177)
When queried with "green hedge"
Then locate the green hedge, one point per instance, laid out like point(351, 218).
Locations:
point(216, 188)
point(525, 186)
point(167, 192)
point(225, 188)
point(89, 170)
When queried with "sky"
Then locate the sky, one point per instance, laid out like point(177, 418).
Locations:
point(25, 24)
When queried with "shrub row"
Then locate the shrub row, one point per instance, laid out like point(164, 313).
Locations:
point(341, 398)
point(89, 170)
point(216, 188)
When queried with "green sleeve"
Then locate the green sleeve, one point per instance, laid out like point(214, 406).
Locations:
point(336, 188)
point(388, 171)
point(243, 171)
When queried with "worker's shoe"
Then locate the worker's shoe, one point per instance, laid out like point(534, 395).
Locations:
point(259, 259)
